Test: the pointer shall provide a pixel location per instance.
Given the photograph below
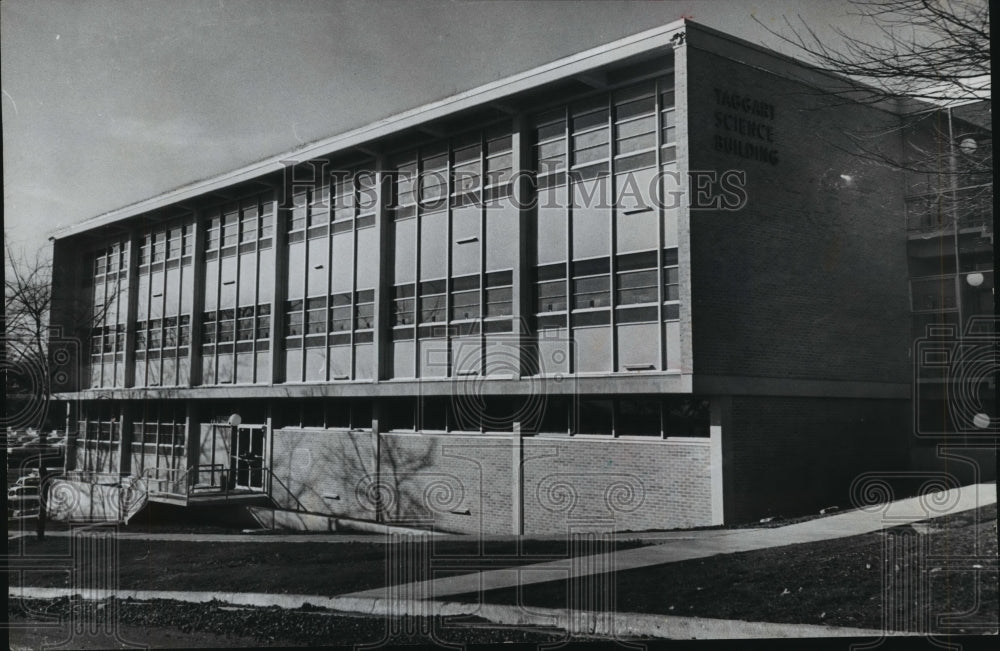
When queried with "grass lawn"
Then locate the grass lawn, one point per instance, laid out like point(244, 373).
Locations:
point(320, 568)
point(866, 581)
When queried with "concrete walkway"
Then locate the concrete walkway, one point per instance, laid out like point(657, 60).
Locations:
point(654, 538)
point(424, 598)
point(851, 523)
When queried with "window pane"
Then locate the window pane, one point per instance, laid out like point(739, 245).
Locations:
point(595, 416)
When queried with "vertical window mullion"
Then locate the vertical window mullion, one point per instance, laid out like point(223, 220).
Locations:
point(612, 237)
point(355, 211)
point(417, 279)
point(567, 275)
point(483, 144)
point(332, 196)
point(661, 292)
point(218, 305)
point(449, 207)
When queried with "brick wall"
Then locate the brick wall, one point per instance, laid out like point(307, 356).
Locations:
point(320, 471)
point(466, 484)
point(461, 483)
point(621, 484)
point(789, 456)
point(809, 279)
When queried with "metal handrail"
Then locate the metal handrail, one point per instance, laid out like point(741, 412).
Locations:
point(272, 477)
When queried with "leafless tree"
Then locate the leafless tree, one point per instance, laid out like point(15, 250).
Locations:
point(932, 50)
point(931, 58)
point(27, 338)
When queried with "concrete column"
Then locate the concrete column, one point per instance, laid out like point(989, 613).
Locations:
point(192, 439)
point(720, 414)
point(282, 203)
point(383, 286)
point(517, 480)
point(684, 213)
point(197, 300)
point(132, 308)
point(377, 447)
point(126, 416)
point(522, 192)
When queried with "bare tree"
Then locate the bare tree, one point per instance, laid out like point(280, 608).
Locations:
point(27, 343)
point(931, 58)
point(27, 303)
point(932, 50)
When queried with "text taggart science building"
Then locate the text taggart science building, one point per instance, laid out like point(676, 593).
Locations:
point(646, 286)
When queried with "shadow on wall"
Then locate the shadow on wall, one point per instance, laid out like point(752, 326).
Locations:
point(334, 473)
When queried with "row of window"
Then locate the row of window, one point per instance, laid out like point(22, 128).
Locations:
point(169, 242)
point(247, 323)
point(247, 224)
point(647, 416)
point(655, 416)
point(168, 332)
point(332, 199)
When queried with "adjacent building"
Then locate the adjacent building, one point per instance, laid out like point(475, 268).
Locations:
point(652, 285)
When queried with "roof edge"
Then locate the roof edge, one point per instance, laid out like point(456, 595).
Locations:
point(559, 69)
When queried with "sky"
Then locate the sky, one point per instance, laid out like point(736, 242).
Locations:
point(109, 102)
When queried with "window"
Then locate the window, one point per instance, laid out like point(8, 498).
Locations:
point(403, 305)
point(636, 285)
point(467, 171)
point(465, 298)
point(184, 332)
point(499, 157)
point(550, 296)
point(293, 318)
point(686, 416)
point(671, 287)
point(364, 309)
point(263, 321)
point(316, 315)
point(154, 334)
point(230, 227)
point(591, 284)
point(432, 301)
point(668, 121)
point(405, 189)
point(227, 325)
point(340, 313)
point(499, 294)
point(209, 333)
point(595, 416)
point(300, 202)
point(170, 332)
point(397, 414)
point(245, 324)
point(550, 144)
point(637, 417)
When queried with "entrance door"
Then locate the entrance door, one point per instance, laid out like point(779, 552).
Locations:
point(247, 457)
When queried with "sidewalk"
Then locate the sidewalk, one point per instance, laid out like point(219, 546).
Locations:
point(426, 598)
point(577, 622)
point(851, 523)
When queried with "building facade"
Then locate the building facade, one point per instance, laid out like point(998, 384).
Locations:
point(647, 286)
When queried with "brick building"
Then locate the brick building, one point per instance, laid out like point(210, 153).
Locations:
point(646, 286)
